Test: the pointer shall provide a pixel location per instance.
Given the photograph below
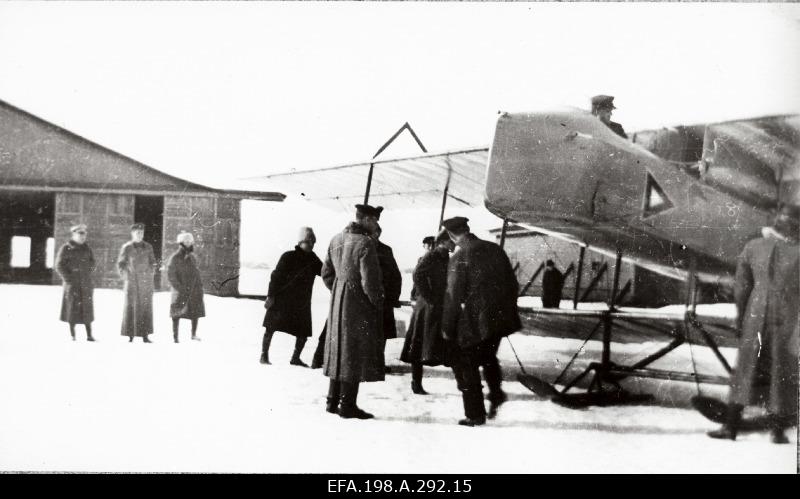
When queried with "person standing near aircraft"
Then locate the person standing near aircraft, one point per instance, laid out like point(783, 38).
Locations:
point(423, 343)
point(480, 308)
point(187, 286)
point(552, 283)
point(288, 300)
point(75, 264)
point(136, 265)
point(354, 341)
point(428, 243)
point(767, 295)
point(602, 107)
point(392, 281)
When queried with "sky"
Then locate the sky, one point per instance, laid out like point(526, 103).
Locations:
point(215, 92)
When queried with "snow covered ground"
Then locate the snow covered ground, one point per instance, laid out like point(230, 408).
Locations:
point(210, 406)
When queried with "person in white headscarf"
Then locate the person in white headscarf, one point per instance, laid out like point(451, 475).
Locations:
point(187, 285)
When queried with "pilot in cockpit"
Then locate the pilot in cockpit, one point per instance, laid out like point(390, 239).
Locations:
point(602, 107)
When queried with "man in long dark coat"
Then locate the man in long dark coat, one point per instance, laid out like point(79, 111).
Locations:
point(767, 295)
point(392, 281)
point(187, 286)
point(288, 300)
point(136, 265)
point(428, 243)
point(424, 344)
point(480, 308)
point(75, 264)
point(552, 282)
point(353, 346)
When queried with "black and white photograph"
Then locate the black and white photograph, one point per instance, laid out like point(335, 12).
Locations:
point(381, 238)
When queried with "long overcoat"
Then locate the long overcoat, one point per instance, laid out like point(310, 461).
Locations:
point(480, 303)
point(136, 264)
point(423, 342)
point(552, 282)
point(290, 287)
point(75, 264)
point(353, 346)
point(767, 298)
point(392, 287)
point(187, 285)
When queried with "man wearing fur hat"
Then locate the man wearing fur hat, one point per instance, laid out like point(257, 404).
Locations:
point(767, 295)
point(354, 342)
point(288, 300)
point(480, 308)
point(187, 286)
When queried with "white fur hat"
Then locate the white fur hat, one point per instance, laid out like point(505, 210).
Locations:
point(186, 238)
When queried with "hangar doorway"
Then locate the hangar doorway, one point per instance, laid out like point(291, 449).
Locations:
point(149, 210)
point(27, 247)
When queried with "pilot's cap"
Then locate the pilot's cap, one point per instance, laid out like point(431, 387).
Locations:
point(137, 226)
point(603, 102)
point(369, 211)
point(80, 229)
point(456, 224)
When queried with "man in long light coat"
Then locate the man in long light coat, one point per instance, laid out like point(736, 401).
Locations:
point(354, 341)
point(137, 264)
point(767, 294)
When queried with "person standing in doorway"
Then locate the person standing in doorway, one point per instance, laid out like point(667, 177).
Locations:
point(136, 265)
point(75, 264)
point(187, 286)
point(288, 300)
point(552, 282)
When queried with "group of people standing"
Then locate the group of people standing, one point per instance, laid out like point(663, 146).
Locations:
point(136, 265)
point(464, 306)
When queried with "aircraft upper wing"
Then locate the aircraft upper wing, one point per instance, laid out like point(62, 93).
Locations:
point(403, 183)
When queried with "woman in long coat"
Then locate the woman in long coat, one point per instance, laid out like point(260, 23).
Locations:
point(767, 294)
point(136, 264)
point(75, 264)
point(187, 286)
point(353, 346)
point(424, 344)
point(288, 300)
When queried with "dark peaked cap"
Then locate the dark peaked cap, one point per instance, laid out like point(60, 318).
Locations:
point(456, 223)
point(137, 226)
point(428, 240)
point(603, 102)
point(369, 211)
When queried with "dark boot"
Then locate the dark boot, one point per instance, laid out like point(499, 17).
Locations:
point(147, 339)
point(131, 339)
point(194, 330)
point(72, 331)
point(347, 406)
point(729, 430)
point(265, 342)
point(319, 353)
point(89, 336)
point(334, 393)
point(175, 329)
point(473, 408)
point(416, 379)
point(299, 343)
point(779, 436)
point(495, 401)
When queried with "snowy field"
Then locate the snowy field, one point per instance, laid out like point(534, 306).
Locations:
point(210, 406)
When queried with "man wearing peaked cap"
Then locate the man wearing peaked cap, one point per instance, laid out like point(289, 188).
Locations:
point(136, 265)
point(354, 340)
point(75, 264)
point(480, 308)
point(602, 107)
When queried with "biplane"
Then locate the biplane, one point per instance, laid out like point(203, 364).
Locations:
point(679, 201)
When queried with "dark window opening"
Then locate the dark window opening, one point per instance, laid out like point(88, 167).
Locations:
point(26, 226)
point(149, 210)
